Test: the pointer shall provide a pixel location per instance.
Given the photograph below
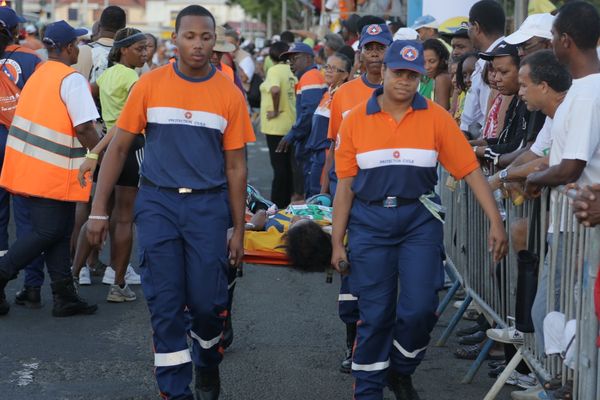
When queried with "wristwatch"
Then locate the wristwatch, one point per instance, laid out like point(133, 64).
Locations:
point(503, 174)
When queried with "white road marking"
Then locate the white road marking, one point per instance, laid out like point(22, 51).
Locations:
point(24, 376)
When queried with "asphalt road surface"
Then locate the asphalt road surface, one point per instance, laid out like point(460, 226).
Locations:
point(288, 342)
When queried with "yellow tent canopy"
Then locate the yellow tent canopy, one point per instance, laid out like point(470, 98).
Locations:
point(451, 25)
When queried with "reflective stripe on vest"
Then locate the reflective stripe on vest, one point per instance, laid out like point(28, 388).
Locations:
point(43, 154)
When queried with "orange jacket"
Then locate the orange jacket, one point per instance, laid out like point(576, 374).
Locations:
point(43, 154)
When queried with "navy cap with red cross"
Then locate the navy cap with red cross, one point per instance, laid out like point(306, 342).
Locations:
point(379, 33)
point(405, 54)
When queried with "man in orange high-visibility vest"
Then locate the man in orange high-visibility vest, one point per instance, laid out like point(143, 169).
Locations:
point(52, 127)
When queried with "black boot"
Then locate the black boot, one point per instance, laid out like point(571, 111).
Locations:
point(401, 386)
point(346, 366)
point(4, 306)
point(227, 333)
point(29, 297)
point(67, 301)
point(208, 384)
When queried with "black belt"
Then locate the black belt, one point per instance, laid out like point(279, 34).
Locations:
point(147, 182)
point(391, 202)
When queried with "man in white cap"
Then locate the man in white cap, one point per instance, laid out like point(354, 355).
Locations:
point(535, 33)
point(427, 27)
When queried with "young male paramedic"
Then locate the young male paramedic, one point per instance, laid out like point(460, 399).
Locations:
point(386, 158)
point(193, 185)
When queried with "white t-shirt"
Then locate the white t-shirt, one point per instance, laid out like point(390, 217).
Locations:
point(476, 102)
point(576, 132)
point(543, 141)
point(75, 92)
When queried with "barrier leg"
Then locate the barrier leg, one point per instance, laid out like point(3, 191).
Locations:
point(453, 322)
point(448, 298)
point(478, 361)
point(510, 367)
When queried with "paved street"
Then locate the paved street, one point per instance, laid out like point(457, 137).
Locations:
point(288, 343)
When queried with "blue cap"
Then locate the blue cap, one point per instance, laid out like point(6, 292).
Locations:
point(298, 47)
point(60, 32)
point(379, 33)
point(405, 54)
point(426, 21)
point(9, 17)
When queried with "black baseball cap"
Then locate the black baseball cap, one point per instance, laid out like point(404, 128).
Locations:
point(502, 50)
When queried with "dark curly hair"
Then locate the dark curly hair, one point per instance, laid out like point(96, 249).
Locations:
point(442, 52)
point(308, 247)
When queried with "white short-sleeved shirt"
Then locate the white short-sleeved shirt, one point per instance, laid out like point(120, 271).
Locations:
point(543, 141)
point(576, 132)
point(75, 92)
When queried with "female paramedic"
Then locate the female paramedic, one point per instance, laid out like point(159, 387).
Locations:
point(386, 158)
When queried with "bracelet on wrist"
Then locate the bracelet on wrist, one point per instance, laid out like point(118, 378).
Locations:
point(99, 217)
point(91, 156)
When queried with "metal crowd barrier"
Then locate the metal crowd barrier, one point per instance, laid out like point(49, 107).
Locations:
point(493, 287)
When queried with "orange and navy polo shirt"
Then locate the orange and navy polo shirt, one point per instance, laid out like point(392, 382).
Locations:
point(348, 96)
point(320, 122)
point(189, 123)
point(400, 159)
point(309, 91)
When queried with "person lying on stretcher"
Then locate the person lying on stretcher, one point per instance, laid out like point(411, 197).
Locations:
point(301, 231)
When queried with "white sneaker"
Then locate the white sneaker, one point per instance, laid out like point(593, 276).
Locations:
point(116, 294)
point(506, 335)
point(84, 276)
point(535, 393)
point(109, 276)
point(521, 380)
point(131, 277)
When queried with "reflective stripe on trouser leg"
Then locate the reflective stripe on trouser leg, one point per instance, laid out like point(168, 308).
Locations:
point(373, 281)
point(421, 276)
point(163, 282)
point(347, 303)
point(206, 273)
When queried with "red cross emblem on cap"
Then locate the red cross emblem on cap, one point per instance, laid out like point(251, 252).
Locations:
point(188, 115)
point(409, 53)
point(374, 29)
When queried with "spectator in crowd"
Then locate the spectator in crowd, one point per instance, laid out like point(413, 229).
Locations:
point(535, 33)
point(337, 71)
point(520, 126)
point(93, 57)
point(332, 44)
point(464, 69)
point(350, 32)
point(427, 27)
point(277, 116)
point(221, 48)
point(112, 88)
point(32, 40)
point(575, 149)
point(287, 37)
point(242, 59)
point(309, 91)
point(486, 30)
point(437, 84)
point(196, 191)
point(91, 62)
point(18, 65)
point(55, 102)
point(460, 43)
point(151, 47)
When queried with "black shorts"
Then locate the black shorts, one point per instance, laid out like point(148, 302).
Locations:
point(130, 175)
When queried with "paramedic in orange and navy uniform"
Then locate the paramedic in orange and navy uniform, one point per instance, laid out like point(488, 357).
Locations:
point(193, 188)
point(387, 152)
point(52, 129)
point(374, 40)
point(309, 92)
